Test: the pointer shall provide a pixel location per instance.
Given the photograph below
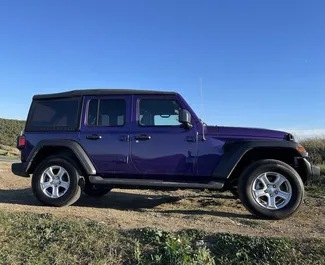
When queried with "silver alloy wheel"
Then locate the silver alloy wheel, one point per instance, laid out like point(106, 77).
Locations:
point(272, 190)
point(55, 181)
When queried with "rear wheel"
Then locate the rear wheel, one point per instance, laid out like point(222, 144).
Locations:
point(271, 189)
point(55, 182)
point(95, 191)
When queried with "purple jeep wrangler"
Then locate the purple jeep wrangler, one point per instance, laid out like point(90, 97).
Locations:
point(99, 139)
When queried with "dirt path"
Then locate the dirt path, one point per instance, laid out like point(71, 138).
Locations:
point(127, 209)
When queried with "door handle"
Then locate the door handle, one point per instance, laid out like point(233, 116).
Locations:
point(93, 137)
point(142, 137)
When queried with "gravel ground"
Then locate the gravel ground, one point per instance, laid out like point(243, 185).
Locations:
point(177, 210)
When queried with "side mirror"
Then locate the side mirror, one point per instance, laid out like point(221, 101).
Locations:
point(184, 117)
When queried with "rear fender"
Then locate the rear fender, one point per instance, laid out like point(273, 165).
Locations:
point(74, 146)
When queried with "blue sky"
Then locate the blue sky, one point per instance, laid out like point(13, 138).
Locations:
point(262, 62)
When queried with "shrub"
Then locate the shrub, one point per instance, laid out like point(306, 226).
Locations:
point(9, 130)
point(316, 149)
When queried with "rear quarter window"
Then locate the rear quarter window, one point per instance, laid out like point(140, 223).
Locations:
point(54, 114)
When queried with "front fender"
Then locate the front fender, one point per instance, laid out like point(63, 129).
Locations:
point(235, 151)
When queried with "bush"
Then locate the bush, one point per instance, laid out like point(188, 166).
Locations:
point(316, 149)
point(322, 171)
point(9, 131)
point(160, 248)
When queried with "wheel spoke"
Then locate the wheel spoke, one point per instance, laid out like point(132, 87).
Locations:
point(55, 192)
point(264, 180)
point(49, 173)
point(64, 184)
point(260, 193)
point(61, 173)
point(279, 180)
point(283, 195)
point(45, 185)
point(272, 202)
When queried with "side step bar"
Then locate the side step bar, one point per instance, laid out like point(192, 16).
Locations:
point(118, 182)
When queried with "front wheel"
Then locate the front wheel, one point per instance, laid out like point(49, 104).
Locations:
point(271, 189)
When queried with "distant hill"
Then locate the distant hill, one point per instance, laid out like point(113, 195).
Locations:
point(9, 130)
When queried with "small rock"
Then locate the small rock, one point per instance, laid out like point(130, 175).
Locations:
point(199, 243)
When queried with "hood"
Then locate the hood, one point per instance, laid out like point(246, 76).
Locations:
point(243, 132)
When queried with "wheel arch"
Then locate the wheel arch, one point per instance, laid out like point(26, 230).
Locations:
point(67, 148)
point(238, 155)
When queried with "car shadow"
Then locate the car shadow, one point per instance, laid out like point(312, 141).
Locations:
point(211, 213)
point(126, 201)
point(20, 196)
point(121, 200)
point(114, 199)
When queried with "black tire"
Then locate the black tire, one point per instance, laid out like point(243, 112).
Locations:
point(73, 192)
point(234, 191)
point(246, 181)
point(95, 191)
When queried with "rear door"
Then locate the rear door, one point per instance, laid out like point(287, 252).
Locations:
point(105, 133)
point(160, 145)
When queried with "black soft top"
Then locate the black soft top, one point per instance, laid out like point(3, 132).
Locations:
point(93, 92)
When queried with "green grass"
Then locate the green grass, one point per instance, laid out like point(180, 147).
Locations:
point(27, 238)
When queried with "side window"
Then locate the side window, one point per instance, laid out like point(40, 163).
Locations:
point(158, 112)
point(106, 112)
point(54, 114)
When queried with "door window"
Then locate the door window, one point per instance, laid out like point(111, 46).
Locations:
point(158, 112)
point(106, 112)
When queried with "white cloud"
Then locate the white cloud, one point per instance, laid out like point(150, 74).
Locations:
point(303, 134)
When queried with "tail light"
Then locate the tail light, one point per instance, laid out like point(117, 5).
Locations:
point(21, 142)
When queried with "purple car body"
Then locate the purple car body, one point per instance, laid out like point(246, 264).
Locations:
point(172, 150)
point(147, 139)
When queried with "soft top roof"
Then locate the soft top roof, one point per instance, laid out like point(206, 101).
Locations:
point(93, 92)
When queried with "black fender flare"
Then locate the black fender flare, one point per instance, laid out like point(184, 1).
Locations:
point(74, 146)
point(235, 151)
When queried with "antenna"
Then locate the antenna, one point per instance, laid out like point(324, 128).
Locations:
point(201, 96)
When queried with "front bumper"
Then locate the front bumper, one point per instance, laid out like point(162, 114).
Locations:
point(19, 169)
point(312, 171)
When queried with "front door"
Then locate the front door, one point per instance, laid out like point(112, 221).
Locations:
point(160, 145)
point(105, 133)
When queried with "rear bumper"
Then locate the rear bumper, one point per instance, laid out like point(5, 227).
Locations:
point(19, 169)
point(312, 171)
